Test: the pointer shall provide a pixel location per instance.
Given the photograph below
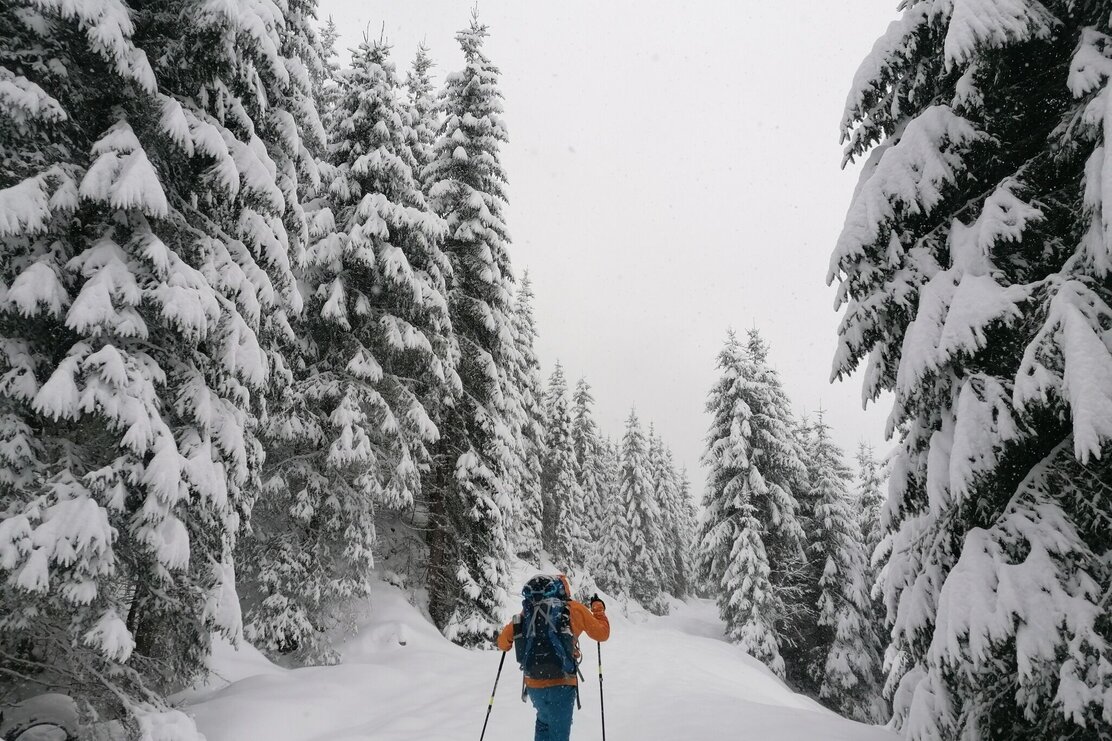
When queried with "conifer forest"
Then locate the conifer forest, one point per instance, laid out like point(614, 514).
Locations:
point(276, 399)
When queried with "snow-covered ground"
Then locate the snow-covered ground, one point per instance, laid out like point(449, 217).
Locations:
point(666, 679)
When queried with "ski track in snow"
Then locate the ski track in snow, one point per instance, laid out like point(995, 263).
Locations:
point(666, 679)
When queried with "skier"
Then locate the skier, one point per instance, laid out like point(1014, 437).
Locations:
point(545, 635)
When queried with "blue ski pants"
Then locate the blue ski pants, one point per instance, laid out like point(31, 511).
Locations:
point(554, 709)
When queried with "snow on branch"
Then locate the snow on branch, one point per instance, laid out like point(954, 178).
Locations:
point(909, 178)
point(122, 176)
point(23, 101)
point(1071, 356)
point(975, 24)
point(108, 27)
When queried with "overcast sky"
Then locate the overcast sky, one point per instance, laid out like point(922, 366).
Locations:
point(674, 171)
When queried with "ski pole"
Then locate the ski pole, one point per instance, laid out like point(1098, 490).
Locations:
point(601, 699)
point(490, 706)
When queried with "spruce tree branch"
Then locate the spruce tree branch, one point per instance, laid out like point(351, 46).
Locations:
point(26, 662)
point(27, 678)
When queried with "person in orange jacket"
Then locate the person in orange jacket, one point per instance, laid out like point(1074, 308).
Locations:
point(554, 699)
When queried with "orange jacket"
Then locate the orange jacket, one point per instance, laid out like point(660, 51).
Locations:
point(583, 620)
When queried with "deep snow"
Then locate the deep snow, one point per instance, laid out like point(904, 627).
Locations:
point(666, 678)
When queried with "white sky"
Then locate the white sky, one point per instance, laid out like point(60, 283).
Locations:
point(674, 171)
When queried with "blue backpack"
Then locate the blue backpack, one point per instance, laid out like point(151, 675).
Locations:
point(543, 641)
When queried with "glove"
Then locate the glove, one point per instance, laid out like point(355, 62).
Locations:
point(597, 605)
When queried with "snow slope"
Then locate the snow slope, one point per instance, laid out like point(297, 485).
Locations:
point(666, 679)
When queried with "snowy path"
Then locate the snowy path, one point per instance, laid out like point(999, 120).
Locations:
point(667, 679)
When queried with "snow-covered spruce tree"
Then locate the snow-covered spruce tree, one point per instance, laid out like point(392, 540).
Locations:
point(563, 500)
point(808, 640)
point(850, 669)
point(589, 466)
point(676, 505)
point(423, 112)
point(794, 574)
point(353, 436)
point(290, 125)
point(612, 568)
point(640, 515)
point(517, 417)
point(149, 207)
point(869, 499)
point(326, 81)
point(689, 526)
point(526, 386)
point(470, 497)
point(750, 542)
point(975, 270)
point(663, 484)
